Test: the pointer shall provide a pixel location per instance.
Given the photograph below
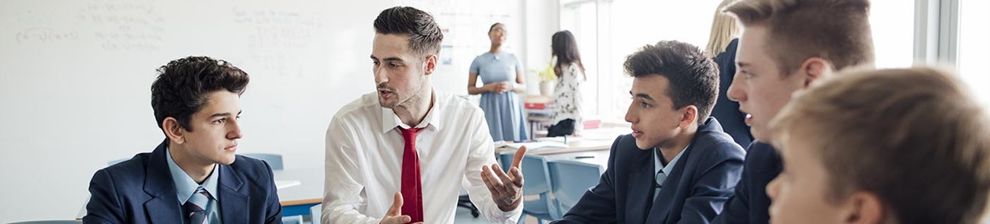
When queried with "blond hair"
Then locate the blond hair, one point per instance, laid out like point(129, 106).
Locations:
point(724, 29)
point(834, 30)
point(913, 137)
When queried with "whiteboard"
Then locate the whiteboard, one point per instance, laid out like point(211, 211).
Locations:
point(75, 78)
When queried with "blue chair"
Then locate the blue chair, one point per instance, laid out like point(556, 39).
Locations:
point(273, 160)
point(316, 214)
point(571, 179)
point(296, 219)
point(537, 180)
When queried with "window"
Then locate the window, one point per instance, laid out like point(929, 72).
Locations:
point(892, 22)
point(609, 30)
point(580, 17)
point(974, 47)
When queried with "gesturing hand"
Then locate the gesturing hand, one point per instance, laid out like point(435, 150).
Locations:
point(394, 214)
point(506, 189)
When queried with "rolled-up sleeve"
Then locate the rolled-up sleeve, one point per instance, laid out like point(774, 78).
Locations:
point(483, 153)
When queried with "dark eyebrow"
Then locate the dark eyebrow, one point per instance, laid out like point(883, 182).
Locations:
point(224, 114)
point(641, 95)
point(219, 115)
point(388, 59)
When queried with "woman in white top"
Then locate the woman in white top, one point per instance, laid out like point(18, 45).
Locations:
point(567, 92)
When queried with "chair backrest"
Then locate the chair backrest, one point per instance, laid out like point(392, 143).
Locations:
point(50, 222)
point(536, 178)
point(273, 160)
point(535, 173)
point(316, 213)
point(570, 180)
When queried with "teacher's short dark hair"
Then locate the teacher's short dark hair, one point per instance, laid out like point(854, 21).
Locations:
point(424, 33)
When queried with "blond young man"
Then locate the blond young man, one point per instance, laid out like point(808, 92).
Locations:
point(887, 146)
point(785, 45)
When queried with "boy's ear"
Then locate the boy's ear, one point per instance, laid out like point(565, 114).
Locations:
point(689, 116)
point(864, 208)
point(815, 68)
point(173, 130)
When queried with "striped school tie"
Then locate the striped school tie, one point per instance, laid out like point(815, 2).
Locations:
point(195, 206)
point(660, 177)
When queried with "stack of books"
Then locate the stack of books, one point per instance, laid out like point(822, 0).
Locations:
point(538, 108)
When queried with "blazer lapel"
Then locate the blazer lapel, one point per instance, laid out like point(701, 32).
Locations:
point(233, 197)
point(660, 213)
point(163, 207)
point(640, 186)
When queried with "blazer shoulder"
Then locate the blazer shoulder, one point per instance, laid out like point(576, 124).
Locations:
point(122, 180)
point(624, 148)
point(625, 141)
point(717, 146)
point(132, 169)
point(253, 169)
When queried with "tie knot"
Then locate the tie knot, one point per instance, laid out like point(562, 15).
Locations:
point(409, 133)
point(661, 177)
point(197, 202)
point(196, 206)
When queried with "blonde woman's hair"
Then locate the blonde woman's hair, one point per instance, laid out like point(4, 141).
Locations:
point(724, 29)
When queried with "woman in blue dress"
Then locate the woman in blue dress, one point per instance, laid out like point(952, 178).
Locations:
point(502, 75)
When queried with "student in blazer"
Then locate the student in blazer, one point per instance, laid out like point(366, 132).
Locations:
point(194, 175)
point(678, 165)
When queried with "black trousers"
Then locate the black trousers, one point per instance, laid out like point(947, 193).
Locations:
point(562, 128)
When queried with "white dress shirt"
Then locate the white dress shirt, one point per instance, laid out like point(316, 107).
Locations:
point(364, 161)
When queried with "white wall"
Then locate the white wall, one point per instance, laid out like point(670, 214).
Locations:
point(542, 21)
point(75, 78)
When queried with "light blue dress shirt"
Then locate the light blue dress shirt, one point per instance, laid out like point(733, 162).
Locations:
point(185, 186)
point(659, 166)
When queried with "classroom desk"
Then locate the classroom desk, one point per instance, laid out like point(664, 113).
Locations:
point(297, 199)
point(592, 147)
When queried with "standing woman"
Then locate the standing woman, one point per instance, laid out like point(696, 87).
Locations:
point(502, 75)
point(567, 93)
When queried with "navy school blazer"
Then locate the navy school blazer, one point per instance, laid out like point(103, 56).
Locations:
point(701, 181)
point(750, 202)
point(141, 190)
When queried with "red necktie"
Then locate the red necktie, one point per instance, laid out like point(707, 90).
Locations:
point(412, 189)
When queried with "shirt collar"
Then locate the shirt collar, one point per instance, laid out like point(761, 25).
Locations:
point(185, 186)
point(432, 119)
point(658, 165)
